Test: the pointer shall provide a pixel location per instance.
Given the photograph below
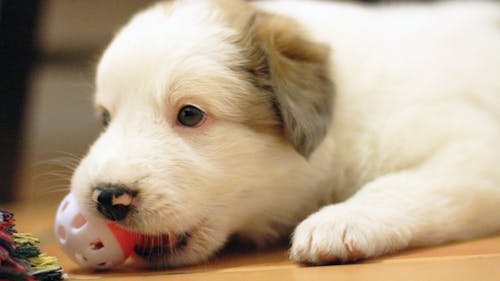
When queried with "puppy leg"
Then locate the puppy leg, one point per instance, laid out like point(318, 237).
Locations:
point(453, 195)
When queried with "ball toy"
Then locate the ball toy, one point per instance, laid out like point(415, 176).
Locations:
point(92, 242)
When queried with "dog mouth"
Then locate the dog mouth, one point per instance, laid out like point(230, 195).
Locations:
point(152, 247)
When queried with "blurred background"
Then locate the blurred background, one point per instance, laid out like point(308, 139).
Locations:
point(49, 50)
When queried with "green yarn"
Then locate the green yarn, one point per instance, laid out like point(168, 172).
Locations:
point(20, 255)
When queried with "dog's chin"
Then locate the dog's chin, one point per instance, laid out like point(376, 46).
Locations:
point(180, 249)
point(160, 250)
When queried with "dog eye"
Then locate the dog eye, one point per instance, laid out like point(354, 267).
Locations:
point(190, 116)
point(105, 117)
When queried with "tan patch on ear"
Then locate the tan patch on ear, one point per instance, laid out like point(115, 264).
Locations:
point(290, 67)
point(299, 77)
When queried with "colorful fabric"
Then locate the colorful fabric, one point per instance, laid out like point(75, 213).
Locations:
point(20, 256)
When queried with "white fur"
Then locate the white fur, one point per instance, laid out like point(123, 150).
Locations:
point(412, 154)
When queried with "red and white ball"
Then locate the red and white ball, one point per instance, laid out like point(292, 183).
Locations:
point(92, 242)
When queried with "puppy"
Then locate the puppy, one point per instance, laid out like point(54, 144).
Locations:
point(362, 130)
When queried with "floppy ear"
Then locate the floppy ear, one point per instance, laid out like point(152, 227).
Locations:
point(295, 70)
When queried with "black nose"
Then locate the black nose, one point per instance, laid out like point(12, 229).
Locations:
point(113, 201)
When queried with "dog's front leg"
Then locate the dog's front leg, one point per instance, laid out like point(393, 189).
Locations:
point(453, 195)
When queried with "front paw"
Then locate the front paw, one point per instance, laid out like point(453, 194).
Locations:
point(343, 233)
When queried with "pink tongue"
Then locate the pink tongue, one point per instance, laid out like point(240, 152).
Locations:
point(166, 241)
point(172, 241)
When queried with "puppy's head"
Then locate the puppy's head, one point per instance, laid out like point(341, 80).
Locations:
point(211, 111)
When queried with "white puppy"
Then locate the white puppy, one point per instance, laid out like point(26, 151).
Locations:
point(227, 119)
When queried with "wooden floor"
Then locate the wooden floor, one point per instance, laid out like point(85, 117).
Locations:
point(472, 260)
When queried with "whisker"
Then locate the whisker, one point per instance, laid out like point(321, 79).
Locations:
point(53, 175)
point(53, 190)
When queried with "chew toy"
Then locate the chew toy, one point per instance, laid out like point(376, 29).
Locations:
point(92, 242)
point(21, 257)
